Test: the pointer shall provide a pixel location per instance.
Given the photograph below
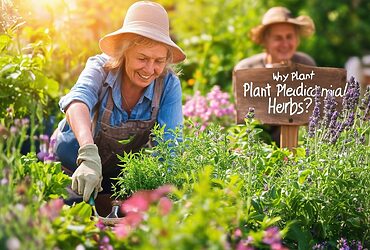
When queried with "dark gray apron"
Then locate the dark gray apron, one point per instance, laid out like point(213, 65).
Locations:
point(137, 131)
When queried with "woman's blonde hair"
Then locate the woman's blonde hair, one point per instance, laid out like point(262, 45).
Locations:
point(116, 62)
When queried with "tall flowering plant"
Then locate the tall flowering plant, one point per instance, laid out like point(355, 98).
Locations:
point(214, 107)
point(336, 128)
point(334, 172)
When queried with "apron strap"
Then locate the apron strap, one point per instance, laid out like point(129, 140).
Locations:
point(158, 88)
point(108, 109)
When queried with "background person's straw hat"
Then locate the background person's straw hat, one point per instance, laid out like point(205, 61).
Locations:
point(282, 15)
point(147, 19)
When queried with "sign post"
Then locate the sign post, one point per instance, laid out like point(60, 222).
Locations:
point(285, 96)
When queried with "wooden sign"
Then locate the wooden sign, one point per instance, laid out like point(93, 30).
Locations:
point(285, 95)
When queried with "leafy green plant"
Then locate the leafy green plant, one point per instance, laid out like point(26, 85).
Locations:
point(26, 90)
point(24, 86)
point(25, 186)
point(74, 226)
point(323, 193)
point(215, 39)
point(173, 162)
point(324, 186)
point(208, 214)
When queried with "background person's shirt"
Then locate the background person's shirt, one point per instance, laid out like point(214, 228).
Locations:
point(258, 61)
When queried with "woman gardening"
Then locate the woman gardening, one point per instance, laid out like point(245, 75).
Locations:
point(119, 95)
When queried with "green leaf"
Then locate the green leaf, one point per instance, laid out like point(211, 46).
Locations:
point(126, 141)
point(303, 175)
point(4, 41)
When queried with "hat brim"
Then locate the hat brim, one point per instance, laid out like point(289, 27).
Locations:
point(305, 24)
point(110, 44)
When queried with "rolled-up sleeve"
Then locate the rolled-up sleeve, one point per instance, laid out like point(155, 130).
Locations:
point(170, 112)
point(88, 85)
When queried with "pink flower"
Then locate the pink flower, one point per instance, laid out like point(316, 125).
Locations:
point(25, 122)
point(52, 209)
point(164, 205)
point(133, 218)
point(104, 244)
point(238, 233)
point(139, 201)
point(13, 130)
point(271, 236)
point(100, 225)
point(122, 230)
point(245, 244)
point(278, 246)
point(160, 192)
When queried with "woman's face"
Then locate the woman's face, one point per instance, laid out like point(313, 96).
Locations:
point(281, 42)
point(143, 64)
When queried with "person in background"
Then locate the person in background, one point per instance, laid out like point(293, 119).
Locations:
point(279, 34)
point(119, 95)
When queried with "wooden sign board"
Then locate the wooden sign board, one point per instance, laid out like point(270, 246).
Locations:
point(285, 95)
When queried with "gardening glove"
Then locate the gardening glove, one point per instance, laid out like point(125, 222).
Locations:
point(88, 176)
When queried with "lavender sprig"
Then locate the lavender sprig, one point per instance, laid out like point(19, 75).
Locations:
point(314, 119)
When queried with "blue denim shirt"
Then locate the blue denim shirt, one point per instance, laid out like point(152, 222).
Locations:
point(89, 85)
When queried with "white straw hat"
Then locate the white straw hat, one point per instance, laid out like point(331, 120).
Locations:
point(282, 15)
point(143, 18)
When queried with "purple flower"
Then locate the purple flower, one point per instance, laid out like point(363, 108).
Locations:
point(50, 158)
point(17, 123)
point(44, 138)
point(351, 97)
point(365, 103)
point(104, 244)
point(359, 245)
point(25, 122)
point(100, 225)
point(350, 121)
point(314, 119)
point(307, 152)
point(329, 107)
point(339, 129)
point(271, 236)
point(320, 246)
point(202, 109)
point(251, 113)
point(333, 120)
point(245, 244)
point(366, 99)
point(13, 130)
point(42, 155)
point(343, 244)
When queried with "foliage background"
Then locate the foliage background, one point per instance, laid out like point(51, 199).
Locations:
point(213, 33)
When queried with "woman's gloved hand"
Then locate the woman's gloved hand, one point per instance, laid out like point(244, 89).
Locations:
point(88, 176)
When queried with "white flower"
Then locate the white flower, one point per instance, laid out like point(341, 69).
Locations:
point(13, 243)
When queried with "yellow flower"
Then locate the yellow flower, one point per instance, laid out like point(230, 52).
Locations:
point(191, 81)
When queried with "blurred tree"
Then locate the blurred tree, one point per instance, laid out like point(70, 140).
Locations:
point(213, 33)
point(74, 28)
point(343, 29)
